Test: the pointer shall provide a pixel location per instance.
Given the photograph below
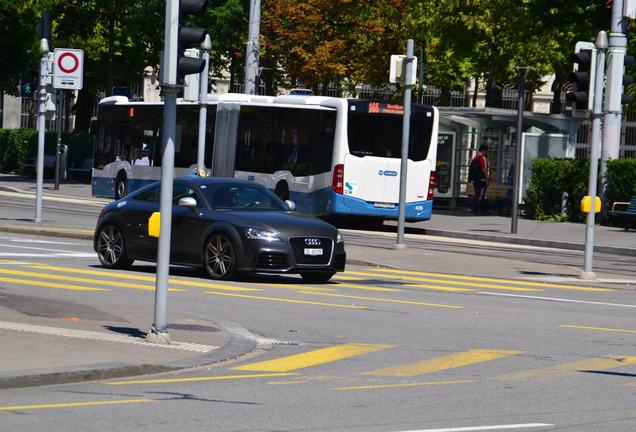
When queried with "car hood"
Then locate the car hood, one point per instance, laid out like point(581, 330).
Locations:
point(287, 223)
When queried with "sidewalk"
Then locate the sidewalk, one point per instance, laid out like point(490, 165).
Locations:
point(74, 342)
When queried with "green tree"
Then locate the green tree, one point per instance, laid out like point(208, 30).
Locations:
point(19, 43)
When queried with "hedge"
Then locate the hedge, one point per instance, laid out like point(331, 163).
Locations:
point(19, 145)
point(551, 177)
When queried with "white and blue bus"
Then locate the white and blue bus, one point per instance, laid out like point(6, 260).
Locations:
point(331, 156)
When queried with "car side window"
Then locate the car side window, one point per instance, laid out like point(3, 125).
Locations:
point(182, 191)
point(151, 195)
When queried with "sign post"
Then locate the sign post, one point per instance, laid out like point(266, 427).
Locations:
point(68, 74)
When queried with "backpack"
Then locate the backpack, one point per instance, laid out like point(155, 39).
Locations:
point(474, 171)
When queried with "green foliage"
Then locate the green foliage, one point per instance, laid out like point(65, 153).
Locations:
point(18, 44)
point(14, 144)
point(550, 178)
point(621, 180)
point(19, 145)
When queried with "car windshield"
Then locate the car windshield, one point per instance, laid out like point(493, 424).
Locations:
point(241, 197)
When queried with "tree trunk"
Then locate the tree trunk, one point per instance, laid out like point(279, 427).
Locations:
point(476, 91)
point(111, 54)
point(557, 85)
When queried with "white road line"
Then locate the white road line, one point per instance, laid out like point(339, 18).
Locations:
point(555, 299)
point(486, 428)
point(55, 255)
point(37, 249)
point(85, 201)
point(14, 240)
point(104, 337)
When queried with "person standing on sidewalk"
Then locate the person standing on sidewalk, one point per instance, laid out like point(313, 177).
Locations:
point(478, 173)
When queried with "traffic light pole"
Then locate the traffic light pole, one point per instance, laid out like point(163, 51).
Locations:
point(406, 124)
point(251, 55)
point(159, 331)
point(58, 141)
point(597, 112)
point(523, 71)
point(613, 90)
point(44, 48)
point(203, 103)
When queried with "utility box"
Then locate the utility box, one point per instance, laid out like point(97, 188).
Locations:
point(397, 72)
point(191, 82)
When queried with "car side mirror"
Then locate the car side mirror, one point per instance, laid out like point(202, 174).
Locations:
point(188, 202)
point(290, 204)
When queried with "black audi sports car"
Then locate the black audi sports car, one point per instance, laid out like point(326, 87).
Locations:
point(224, 225)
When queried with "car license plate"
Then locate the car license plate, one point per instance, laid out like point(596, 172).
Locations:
point(313, 252)
point(383, 205)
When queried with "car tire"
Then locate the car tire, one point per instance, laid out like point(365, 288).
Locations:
point(317, 277)
point(121, 186)
point(219, 257)
point(111, 248)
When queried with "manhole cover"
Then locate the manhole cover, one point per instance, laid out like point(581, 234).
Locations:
point(193, 327)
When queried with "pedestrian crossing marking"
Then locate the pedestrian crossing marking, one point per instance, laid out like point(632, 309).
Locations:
point(445, 282)
point(46, 284)
point(119, 275)
point(200, 379)
point(564, 369)
point(366, 287)
point(403, 385)
point(489, 279)
point(313, 358)
point(410, 302)
point(286, 300)
point(439, 288)
point(83, 280)
point(438, 364)
point(598, 328)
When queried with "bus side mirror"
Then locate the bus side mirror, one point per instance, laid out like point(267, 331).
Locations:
point(290, 204)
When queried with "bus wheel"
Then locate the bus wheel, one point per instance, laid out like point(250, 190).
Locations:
point(121, 186)
point(282, 190)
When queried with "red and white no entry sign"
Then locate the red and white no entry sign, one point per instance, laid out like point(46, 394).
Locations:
point(68, 68)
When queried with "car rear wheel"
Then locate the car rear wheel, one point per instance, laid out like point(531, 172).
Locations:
point(317, 277)
point(111, 248)
point(219, 258)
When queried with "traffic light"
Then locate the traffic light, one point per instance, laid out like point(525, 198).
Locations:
point(582, 76)
point(189, 36)
point(28, 84)
point(627, 79)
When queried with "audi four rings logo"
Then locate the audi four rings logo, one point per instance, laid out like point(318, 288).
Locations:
point(312, 242)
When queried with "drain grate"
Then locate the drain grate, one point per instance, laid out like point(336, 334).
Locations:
point(193, 327)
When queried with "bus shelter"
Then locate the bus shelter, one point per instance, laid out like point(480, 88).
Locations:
point(463, 130)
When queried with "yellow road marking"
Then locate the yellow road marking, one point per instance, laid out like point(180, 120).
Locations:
point(367, 288)
point(287, 382)
point(599, 328)
point(508, 281)
point(50, 284)
point(73, 404)
point(404, 385)
point(439, 288)
point(313, 358)
point(295, 287)
point(287, 300)
point(198, 379)
point(437, 364)
point(386, 300)
point(445, 282)
point(559, 370)
point(84, 280)
point(119, 275)
point(345, 278)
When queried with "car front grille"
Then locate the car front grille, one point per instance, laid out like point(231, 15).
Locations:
point(303, 248)
point(272, 261)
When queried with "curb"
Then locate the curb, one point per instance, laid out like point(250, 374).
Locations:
point(86, 234)
point(530, 242)
point(241, 342)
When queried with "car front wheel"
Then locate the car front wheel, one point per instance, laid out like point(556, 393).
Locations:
point(219, 257)
point(317, 277)
point(111, 248)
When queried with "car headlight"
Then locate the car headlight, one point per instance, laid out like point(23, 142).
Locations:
point(256, 234)
point(339, 239)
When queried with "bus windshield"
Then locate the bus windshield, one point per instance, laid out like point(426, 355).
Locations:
point(379, 134)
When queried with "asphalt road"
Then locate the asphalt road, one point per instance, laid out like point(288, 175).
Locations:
point(375, 350)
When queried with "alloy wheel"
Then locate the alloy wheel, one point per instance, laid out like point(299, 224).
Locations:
point(111, 248)
point(219, 257)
